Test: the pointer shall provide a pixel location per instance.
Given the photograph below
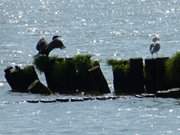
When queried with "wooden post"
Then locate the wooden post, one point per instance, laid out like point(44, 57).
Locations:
point(136, 75)
point(19, 79)
point(61, 76)
point(37, 87)
point(150, 75)
point(155, 74)
point(121, 77)
point(161, 78)
point(98, 82)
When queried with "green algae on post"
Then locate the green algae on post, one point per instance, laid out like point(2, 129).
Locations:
point(120, 75)
point(173, 70)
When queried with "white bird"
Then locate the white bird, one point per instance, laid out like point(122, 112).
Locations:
point(155, 45)
point(44, 48)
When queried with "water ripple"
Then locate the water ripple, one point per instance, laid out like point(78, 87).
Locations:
point(107, 29)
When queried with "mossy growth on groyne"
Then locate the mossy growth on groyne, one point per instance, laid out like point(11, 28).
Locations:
point(156, 74)
point(72, 75)
point(173, 70)
point(135, 77)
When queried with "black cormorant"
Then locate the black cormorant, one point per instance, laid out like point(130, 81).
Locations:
point(44, 48)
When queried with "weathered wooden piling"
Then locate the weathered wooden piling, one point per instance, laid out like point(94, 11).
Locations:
point(37, 87)
point(48, 100)
point(20, 79)
point(62, 99)
point(118, 80)
point(98, 81)
point(83, 64)
point(33, 101)
point(128, 76)
point(121, 78)
point(150, 72)
point(61, 76)
point(155, 76)
point(161, 77)
point(136, 75)
point(90, 79)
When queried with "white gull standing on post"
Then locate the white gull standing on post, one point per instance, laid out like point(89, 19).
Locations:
point(155, 45)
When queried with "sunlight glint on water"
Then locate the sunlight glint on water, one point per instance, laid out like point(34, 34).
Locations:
point(107, 29)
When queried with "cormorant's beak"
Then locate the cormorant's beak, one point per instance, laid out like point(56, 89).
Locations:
point(56, 36)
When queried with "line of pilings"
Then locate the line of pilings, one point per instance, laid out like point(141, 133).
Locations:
point(135, 76)
point(64, 76)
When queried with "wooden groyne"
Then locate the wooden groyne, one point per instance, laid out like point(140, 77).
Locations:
point(155, 75)
point(137, 76)
point(134, 77)
point(82, 75)
point(77, 75)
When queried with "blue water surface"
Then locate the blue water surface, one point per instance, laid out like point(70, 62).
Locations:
point(106, 29)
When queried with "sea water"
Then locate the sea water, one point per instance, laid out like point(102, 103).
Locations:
point(106, 29)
